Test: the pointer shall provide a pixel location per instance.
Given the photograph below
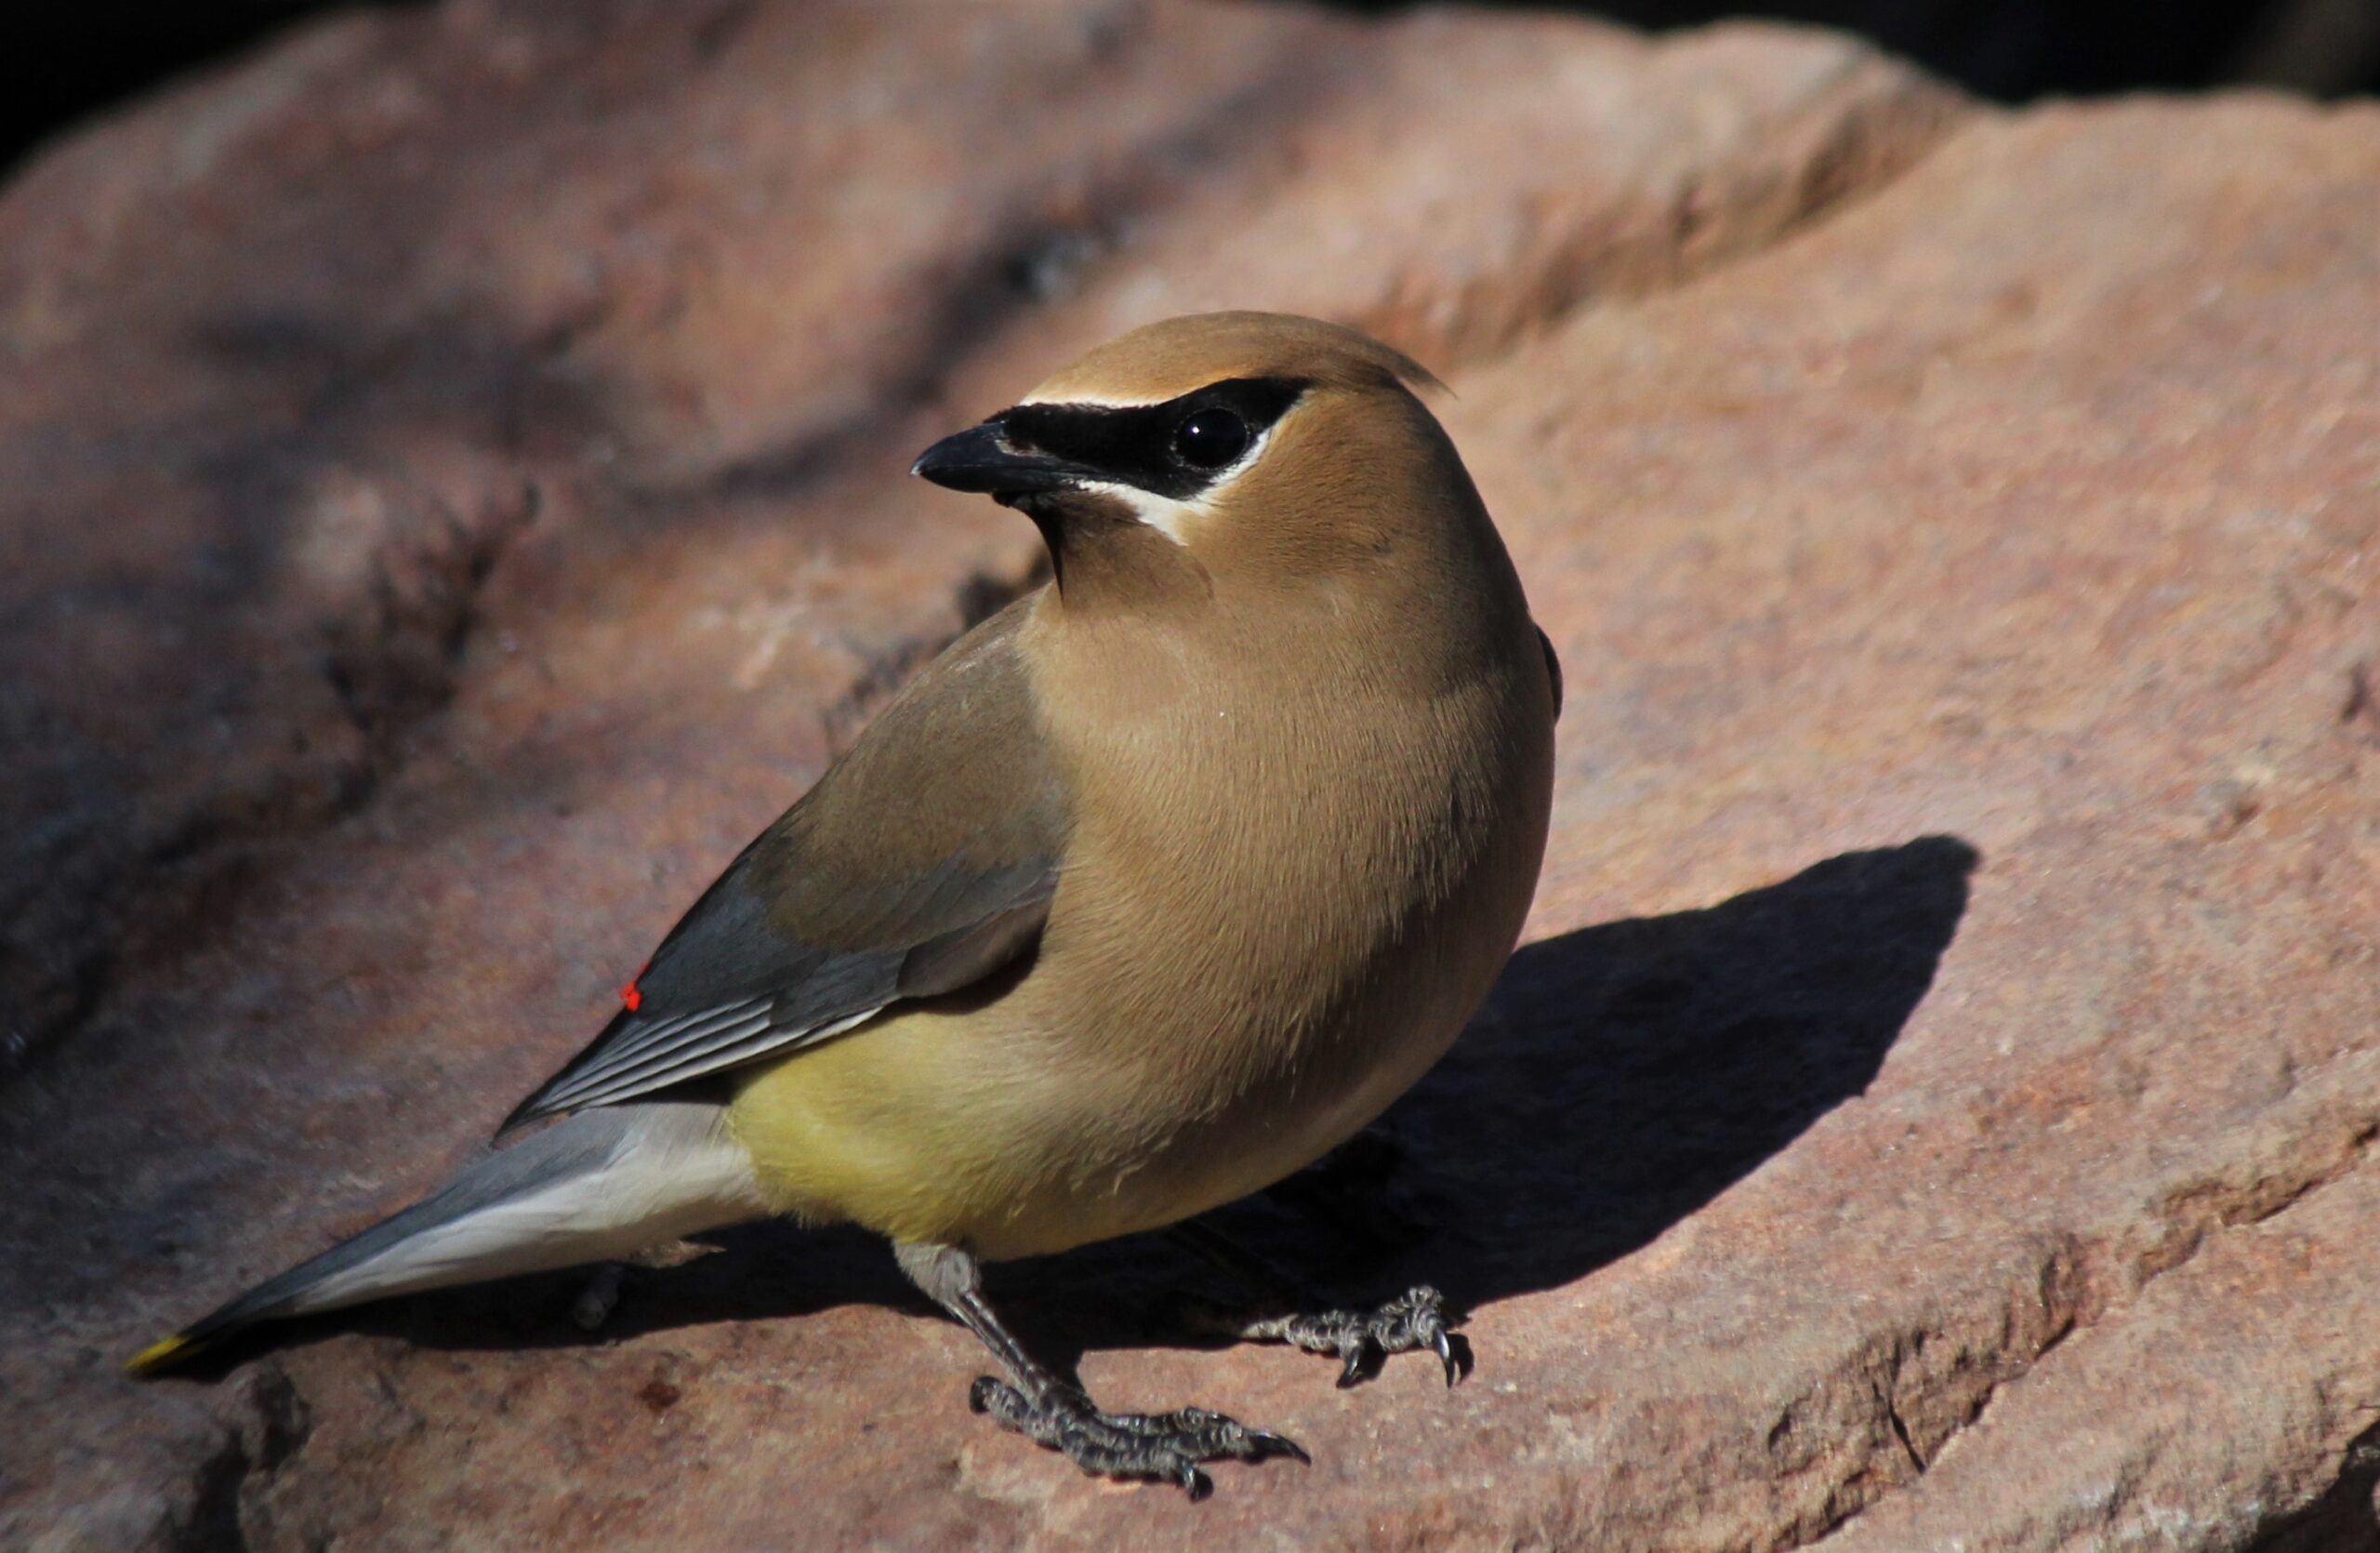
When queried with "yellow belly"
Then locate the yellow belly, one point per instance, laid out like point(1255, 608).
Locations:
point(893, 1126)
point(929, 1128)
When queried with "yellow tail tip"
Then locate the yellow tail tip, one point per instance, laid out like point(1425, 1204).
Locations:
point(160, 1355)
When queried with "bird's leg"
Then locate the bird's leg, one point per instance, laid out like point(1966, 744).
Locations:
point(1036, 1403)
point(1413, 1320)
point(596, 1302)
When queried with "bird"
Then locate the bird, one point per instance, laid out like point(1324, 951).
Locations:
point(1151, 889)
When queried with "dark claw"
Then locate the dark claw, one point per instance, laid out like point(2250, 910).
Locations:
point(1444, 1344)
point(1271, 1444)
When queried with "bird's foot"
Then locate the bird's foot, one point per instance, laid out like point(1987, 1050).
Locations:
point(1166, 1445)
point(1362, 1339)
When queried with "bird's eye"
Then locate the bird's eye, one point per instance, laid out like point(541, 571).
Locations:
point(1210, 439)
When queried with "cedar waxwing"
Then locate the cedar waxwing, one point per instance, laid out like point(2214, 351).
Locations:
point(1152, 889)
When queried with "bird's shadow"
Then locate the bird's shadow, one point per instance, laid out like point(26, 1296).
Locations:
point(1618, 1078)
point(1621, 1076)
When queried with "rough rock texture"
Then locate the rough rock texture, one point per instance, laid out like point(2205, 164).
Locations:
point(451, 489)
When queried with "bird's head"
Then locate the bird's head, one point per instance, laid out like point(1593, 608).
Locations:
point(1220, 445)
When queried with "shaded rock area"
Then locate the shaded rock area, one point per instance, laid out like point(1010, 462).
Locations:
point(95, 58)
point(451, 483)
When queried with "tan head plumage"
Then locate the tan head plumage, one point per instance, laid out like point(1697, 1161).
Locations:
point(1164, 359)
point(1252, 446)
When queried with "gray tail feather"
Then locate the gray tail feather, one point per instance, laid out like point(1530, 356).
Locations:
point(598, 1184)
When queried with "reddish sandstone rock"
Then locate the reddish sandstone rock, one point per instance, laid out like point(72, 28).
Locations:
point(2033, 502)
point(453, 496)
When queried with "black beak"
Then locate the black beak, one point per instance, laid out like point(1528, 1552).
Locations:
point(980, 460)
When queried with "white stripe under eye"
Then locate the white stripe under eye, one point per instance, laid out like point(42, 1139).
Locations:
point(1173, 518)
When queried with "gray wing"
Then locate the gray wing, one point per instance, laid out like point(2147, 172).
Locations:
point(922, 861)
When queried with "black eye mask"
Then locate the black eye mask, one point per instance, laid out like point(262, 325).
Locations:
point(1175, 449)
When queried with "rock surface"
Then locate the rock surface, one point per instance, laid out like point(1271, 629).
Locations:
point(450, 478)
